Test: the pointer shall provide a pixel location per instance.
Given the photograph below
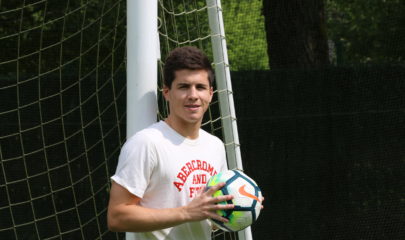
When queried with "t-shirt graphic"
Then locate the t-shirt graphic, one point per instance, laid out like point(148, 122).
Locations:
point(196, 173)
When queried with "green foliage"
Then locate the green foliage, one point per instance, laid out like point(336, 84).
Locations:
point(364, 31)
point(55, 35)
point(368, 31)
point(245, 35)
point(244, 30)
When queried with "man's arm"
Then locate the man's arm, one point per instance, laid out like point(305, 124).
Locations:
point(125, 214)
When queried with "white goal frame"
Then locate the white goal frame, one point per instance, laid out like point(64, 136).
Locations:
point(142, 77)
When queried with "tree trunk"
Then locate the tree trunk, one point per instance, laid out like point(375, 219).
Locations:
point(296, 33)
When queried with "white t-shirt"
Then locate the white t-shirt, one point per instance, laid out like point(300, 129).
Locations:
point(167, 170)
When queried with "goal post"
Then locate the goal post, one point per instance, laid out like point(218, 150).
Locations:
point(142, 56)
point(224, 85)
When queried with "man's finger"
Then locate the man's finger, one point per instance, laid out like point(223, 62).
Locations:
point(223, 198)
point(213, 189)
point(215, 216)
point(224, 206)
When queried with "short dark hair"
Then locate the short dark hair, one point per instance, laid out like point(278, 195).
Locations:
point(187, 57)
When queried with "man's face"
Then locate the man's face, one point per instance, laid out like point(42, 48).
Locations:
point(189, 96)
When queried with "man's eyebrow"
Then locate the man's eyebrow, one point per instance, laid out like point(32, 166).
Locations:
point(182, 84)
point(186, 84)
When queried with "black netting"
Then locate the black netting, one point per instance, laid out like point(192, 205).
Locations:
point(324, 140)
point(327, 148)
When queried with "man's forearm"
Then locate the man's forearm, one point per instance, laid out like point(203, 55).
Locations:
point(126, 215)
point(135, 218)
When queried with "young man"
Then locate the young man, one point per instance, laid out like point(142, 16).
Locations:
point(157, 191)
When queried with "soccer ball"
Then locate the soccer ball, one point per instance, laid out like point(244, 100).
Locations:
point(247, 200)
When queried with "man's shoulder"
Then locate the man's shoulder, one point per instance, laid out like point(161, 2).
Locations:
point(210, 137)
point(153, 130)
point(147, 135)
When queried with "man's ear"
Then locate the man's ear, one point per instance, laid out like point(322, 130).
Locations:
point(165, 92)
point(211, 93)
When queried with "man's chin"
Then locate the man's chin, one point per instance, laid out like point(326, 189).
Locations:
point(193, 120)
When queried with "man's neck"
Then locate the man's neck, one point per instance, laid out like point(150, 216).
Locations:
point(187, 130)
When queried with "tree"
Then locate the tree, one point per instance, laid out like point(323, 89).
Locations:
point(296, 33)
point(368, 31)
point(245, 35)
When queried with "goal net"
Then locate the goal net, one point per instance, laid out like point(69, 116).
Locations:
point(63, 111)
point(62, 116)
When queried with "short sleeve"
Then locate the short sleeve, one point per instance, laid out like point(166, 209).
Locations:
point(135, 164)
point(224, 165)
point(220, 149)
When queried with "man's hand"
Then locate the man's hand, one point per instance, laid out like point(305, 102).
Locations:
point(204, 205)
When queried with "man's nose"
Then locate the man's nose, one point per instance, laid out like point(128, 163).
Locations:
point(192, 92)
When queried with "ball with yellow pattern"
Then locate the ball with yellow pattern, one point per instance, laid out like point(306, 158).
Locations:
point(246, 199)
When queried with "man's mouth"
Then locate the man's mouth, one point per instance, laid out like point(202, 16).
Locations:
point(192, 106)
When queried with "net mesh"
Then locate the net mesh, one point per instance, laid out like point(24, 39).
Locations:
point(326, 146)
point(63, 110)
point(62, 116)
